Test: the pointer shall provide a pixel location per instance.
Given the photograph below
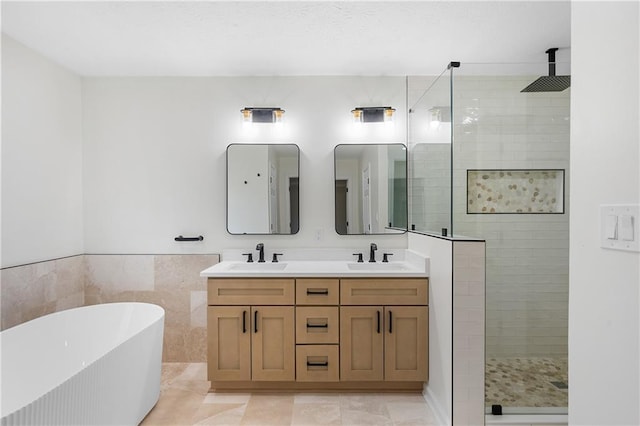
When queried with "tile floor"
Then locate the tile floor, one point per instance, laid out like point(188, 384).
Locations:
point(185, 400)
point(526, 382)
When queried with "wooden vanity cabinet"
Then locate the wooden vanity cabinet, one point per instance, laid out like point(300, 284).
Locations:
point(318, 333)
point(251, 342)
point(381, 342)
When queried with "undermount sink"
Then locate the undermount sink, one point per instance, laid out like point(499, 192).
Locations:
point(377, 266)
point(256, 266)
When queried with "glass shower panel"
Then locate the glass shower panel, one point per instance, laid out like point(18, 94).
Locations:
point(510, 187)
point(430, 154)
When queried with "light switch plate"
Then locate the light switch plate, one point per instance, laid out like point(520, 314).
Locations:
point(620, 221)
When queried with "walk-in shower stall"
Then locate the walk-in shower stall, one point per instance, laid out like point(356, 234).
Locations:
point(490, 161)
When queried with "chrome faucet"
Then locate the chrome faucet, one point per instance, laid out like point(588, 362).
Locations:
point(260, 247)
point(372, 252)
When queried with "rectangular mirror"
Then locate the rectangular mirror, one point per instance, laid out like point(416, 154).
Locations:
point(370, 188)
point(263, 189)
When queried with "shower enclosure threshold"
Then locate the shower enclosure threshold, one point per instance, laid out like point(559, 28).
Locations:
point(530, 416)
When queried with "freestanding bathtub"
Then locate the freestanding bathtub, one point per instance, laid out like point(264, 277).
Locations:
point(94, 365)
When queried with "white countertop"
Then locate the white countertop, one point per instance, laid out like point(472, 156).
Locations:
point(320, 263)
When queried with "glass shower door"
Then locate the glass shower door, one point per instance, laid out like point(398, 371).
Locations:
point(510, 187)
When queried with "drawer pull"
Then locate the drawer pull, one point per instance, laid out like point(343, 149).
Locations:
point(317, 364)
point(317, 325)
point(316, 292)
point(255, 322)
point(390, 322)
point(244, 322)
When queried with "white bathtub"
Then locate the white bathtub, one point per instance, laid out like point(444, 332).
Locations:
point(94, 365)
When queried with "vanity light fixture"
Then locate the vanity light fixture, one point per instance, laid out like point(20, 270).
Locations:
point(262, 115)
point(439, 114)
point(372, 114)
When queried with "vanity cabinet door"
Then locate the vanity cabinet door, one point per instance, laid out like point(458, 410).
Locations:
point(361, 343)
point(229, 343)
point(405, 343)
point(273, 343)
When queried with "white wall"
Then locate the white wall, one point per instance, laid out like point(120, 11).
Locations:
point(456, 328)
point(154, 163)
point(439, 390)
point(41, 158)
point(604, 300)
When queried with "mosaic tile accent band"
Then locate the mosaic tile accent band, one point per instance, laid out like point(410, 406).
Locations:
point(515, 191)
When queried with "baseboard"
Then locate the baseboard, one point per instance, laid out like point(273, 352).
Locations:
point(442, 416)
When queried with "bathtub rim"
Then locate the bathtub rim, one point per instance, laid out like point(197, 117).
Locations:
point(36, 395)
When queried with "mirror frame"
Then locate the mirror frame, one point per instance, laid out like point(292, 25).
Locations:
point(394, 231)
point(227, 186)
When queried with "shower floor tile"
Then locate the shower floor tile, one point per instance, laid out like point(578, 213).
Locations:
point(526, 382)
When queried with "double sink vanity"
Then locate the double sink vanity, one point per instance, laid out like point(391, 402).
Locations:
point(318, 319)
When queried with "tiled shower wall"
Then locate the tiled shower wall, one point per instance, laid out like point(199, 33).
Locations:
point(497, 127)
point(171, 281)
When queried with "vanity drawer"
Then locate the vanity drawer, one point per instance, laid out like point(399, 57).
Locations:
point(317, 324)
point(317, 363)
point(317, 291)
point(383, 291)
point(250, 291)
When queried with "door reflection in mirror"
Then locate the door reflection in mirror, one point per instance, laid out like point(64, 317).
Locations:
point(263, 188)
point(370, 188)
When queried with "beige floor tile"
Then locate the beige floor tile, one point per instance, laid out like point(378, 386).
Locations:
point(363, 418)
point(226, 398)
point(410, 413)
point(198, 387)
point(219, 414)
point(194, 371)
point(364, 402)
point(185, 400)
point(315, 398)
point(175, 407)
point(170, 371)
point(308, 414)
point(268, 409)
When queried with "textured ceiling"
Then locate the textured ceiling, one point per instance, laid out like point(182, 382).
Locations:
point(286, 37)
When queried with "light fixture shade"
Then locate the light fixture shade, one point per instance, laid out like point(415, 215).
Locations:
point(262, 114)
point(372, 114)
point(440, 114)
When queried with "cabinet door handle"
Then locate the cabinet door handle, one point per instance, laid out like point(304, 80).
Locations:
point(378, 315)
point(244, 321)
point(390, 322)
point(255, 322)
point(317, 325)
point(317, 364)
point(316, 292)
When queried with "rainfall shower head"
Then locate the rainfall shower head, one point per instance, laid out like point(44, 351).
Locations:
point(551, 82)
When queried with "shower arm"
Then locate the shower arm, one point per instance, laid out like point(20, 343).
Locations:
point(552, 60)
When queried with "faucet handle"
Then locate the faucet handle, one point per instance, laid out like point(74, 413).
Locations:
point(385, 258)
point(275, 257)
point(359, 257)
point(249, 258)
